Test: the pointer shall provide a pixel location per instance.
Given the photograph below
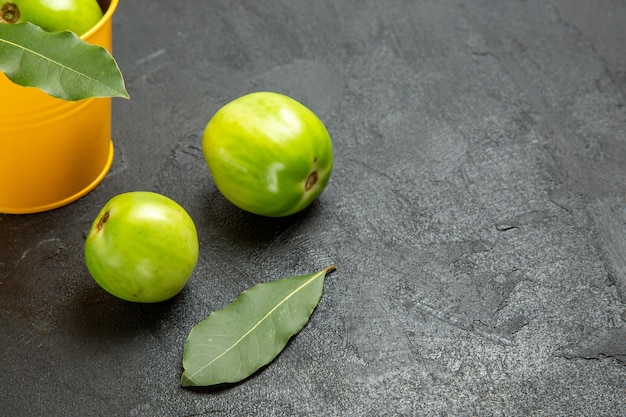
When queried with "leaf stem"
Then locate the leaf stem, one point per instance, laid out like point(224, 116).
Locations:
point(329, 269)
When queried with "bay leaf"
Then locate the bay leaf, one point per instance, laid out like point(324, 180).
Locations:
point(59, 63)
point(233, 343)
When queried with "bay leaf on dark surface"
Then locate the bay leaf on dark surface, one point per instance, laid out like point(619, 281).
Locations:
point(232, 343)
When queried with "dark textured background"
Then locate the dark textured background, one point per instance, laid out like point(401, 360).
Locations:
point(476, 214)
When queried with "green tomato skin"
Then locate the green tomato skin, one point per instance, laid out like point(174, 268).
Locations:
point(142, 247)
point(268, 154)
point(77, 16)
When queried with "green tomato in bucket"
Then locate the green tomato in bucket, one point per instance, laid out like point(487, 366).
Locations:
point(142, 247)
point(78, 16)
point(268, 154)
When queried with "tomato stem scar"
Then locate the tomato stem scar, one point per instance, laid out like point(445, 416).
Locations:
point(103, 220)
point(311, 181)
point(9, 13)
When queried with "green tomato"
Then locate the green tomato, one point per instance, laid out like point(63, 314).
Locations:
point(142, 247)
point(268, 154)
point(77, 16)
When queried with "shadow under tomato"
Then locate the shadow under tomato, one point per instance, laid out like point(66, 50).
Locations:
point(96, 315)
point(244, 228)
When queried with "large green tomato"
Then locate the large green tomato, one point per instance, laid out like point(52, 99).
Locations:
point(77, 16)
point(142, 247)
point(268, 154)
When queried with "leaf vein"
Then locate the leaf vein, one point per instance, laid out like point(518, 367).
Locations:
point(23, 50)
point(258, 323)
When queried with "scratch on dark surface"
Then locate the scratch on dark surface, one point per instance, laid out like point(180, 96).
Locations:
point(610, 219)
point(516, 324)
point(611, 280)
point(18, 279)
point(506, 226)
point(455, 322)
point(45, 249)
point(508, 286)
point(561, 200)
point(531, 217)
point(369, 167)
point(456, 250)
point(151, 56)
point(24, 289)
point(482, 53)
point(192, 150)
point(598, 347)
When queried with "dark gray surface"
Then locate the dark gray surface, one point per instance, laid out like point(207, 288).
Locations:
point(476, 215)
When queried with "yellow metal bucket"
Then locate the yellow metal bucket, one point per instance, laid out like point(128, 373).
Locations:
point(52, 152)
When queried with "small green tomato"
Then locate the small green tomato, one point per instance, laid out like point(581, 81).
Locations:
point(268, 154)
point(78, 16)
point(142, 247)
